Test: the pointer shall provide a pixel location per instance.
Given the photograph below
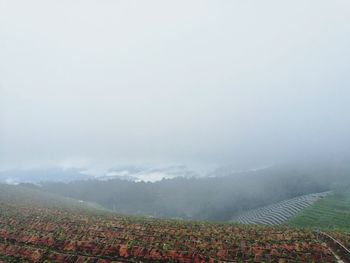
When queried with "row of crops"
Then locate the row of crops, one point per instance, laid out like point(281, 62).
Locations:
point(280, 212)
point(44, 234)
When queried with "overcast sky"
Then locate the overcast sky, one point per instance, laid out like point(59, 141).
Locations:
point(190, 82)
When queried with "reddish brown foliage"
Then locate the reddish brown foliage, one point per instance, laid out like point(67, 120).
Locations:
point(38, 234)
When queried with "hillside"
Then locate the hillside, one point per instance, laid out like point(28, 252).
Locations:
point(215, 198)
point(331, 212)
point(27, 196)
point(33, 232)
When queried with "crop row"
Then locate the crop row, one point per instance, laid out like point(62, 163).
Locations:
point(66, 236)
point(278, 213)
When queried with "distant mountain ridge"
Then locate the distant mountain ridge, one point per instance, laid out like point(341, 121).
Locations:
point(123, 172)
point(37, 175)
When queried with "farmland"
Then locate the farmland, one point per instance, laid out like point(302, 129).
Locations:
point(278, 213)
point(39, 232)
point(331, 213)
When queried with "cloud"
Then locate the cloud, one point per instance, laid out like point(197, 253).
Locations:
point(185, 82)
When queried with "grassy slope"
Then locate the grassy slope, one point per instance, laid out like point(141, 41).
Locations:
point(14, 195)
point(331, 212)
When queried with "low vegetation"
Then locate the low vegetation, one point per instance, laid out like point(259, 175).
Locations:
point(36, 232)
point(331, 212)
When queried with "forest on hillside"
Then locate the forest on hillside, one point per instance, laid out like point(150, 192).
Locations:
point(211, 198)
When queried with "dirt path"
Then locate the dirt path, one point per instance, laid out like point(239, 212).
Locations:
point(343, 253)
point(339, 260)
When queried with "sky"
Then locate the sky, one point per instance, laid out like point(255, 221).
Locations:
point(104, 82)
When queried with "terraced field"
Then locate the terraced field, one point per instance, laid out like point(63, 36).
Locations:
point(51, 235)
point(278, 213)
point(330, 213)
point(38, 232)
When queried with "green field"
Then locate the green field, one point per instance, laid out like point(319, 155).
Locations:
point(332, 212)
